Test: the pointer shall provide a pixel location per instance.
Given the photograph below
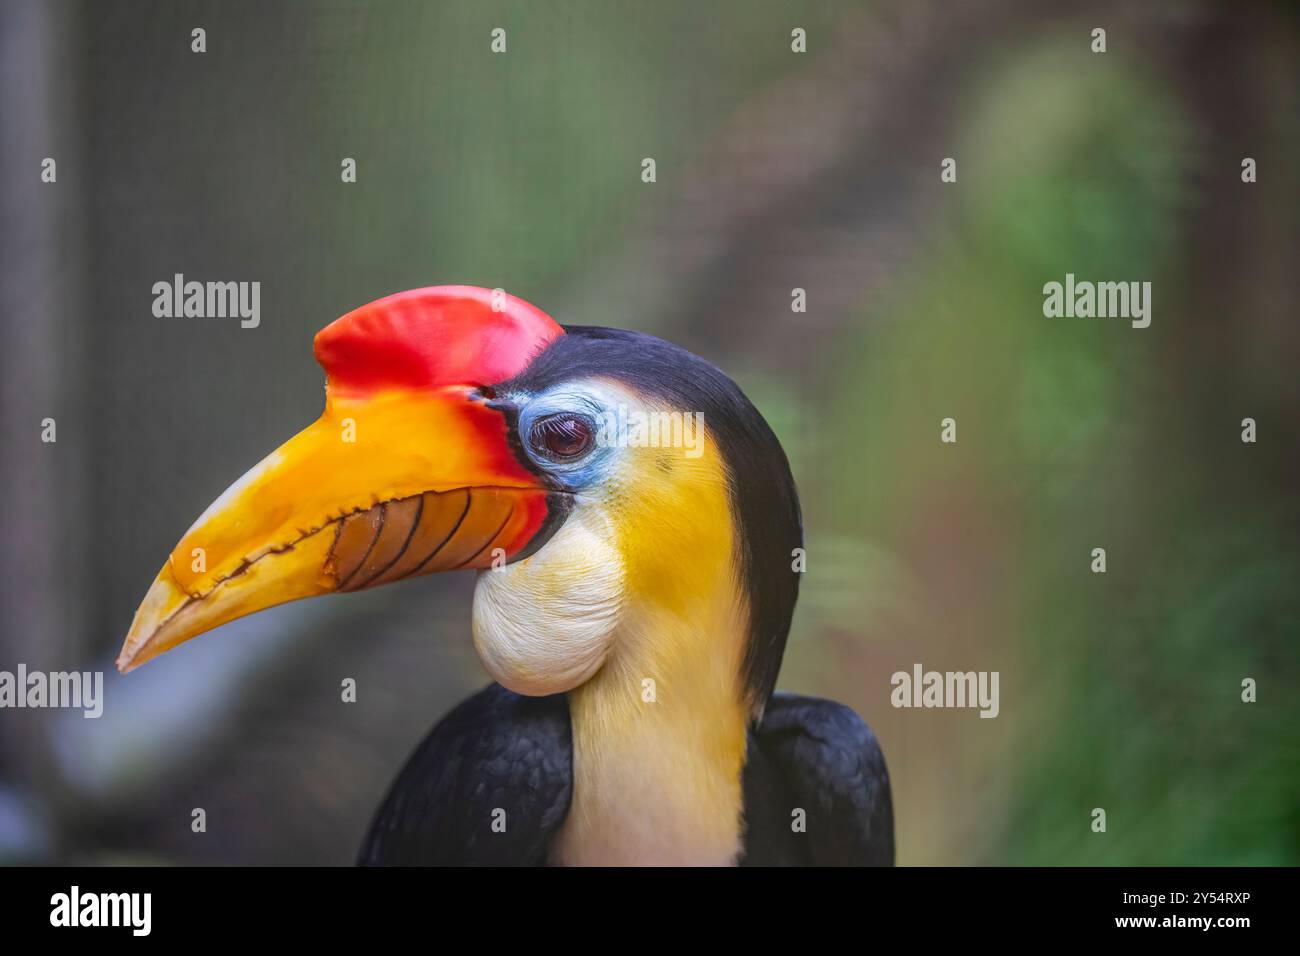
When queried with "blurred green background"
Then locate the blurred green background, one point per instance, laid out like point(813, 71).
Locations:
point(775, 170)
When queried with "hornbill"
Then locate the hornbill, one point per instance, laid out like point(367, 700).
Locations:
point(633, 598)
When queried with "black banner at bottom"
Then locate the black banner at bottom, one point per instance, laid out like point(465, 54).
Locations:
point(215, 906)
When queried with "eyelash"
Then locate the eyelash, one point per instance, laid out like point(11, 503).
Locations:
point(561, 425)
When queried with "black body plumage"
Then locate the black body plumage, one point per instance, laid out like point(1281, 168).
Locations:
point(491, 785)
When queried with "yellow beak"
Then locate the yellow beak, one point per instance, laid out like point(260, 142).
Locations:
point(380, 488)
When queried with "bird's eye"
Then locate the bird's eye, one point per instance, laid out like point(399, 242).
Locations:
point(562, 437)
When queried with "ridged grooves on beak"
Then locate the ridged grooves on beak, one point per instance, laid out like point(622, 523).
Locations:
point(369, 546)
point(392, 540)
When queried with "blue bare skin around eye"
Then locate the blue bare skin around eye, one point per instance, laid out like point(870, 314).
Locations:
point(587, 470)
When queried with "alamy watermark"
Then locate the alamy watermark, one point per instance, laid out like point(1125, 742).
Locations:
point(948, 689)
point(1102, 300)
point(133, 911)
point(82, 690)
point(624, 427)
point(208, 300)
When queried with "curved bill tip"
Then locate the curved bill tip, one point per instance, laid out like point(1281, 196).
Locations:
point(169, 615)
point(160, 605)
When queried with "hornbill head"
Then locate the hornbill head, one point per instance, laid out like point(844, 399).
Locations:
point(627, 509)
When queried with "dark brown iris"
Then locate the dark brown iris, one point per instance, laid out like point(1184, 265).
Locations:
point(562, 437)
